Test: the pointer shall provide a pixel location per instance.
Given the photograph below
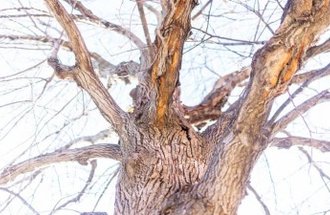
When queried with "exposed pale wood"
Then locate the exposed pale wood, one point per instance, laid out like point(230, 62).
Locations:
point(223, 186)
point(169, 42)
point(166, 167)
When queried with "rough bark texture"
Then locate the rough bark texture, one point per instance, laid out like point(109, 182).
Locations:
point(167, 167)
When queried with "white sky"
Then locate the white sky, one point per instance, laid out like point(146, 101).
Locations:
point(284, 179)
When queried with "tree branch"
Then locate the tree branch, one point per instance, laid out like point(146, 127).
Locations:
point(83, 72)
point(276, 63)
point(20, 198)
point(81, 155)
point(320, 171)
point(145, 27)
point(83, 190)
point(307, 78)
point(288, 142)
point(78, 45)
point(273, 67)
point(259, 199)
point(315, 50)
point(210, 107)
point(201, 10)
point(311, 76)
point(299, 110)
point(116, 28)
point(125, 71)
point(169, 42)
point(155, 11)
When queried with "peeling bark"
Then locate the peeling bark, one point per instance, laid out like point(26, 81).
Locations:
point(164, 158)
point(167, 167)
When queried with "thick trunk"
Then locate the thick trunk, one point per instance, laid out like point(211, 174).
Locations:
point(164, 162)
point(167, 167)
point(169, 172)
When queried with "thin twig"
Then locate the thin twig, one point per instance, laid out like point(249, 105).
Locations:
point(115, 173)
point(20, 198)
point(320, 171)
point(145, 27)
point(308, 78)
point(83, 190)
point(300, 109)
point(259, 199)
point(201, 10)
point(108, 25)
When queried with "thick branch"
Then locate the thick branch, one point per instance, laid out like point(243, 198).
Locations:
point(306, 78)
point(312, 75)
point(273, 67)
point(276, 63)
point(81, 155)
point(288, 142)
point(210, 107)
point(299, 110)
point(170, 38)
point(78, 45)
point(84, 74)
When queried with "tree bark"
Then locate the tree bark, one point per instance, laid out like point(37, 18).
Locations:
point(166, 166)
point(165, 162)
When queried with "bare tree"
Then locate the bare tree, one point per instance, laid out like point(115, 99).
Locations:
point(174, 158)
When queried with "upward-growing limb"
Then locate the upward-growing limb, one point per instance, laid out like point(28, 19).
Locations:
point(83, 72)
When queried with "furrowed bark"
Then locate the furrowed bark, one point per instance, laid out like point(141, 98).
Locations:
point(165, 161)
point(83, 72)
point(210, 107)
point(166, 167)
point(275, 64)
point(223, 186)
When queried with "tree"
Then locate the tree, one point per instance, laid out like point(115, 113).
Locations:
point(175, 158)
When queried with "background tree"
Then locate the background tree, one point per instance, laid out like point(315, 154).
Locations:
point(189, 129)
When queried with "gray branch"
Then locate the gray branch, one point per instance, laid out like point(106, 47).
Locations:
point(81, 155)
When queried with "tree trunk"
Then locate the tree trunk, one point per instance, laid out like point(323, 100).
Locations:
point(168, 171)
point(165, 162)
point(166, 166)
